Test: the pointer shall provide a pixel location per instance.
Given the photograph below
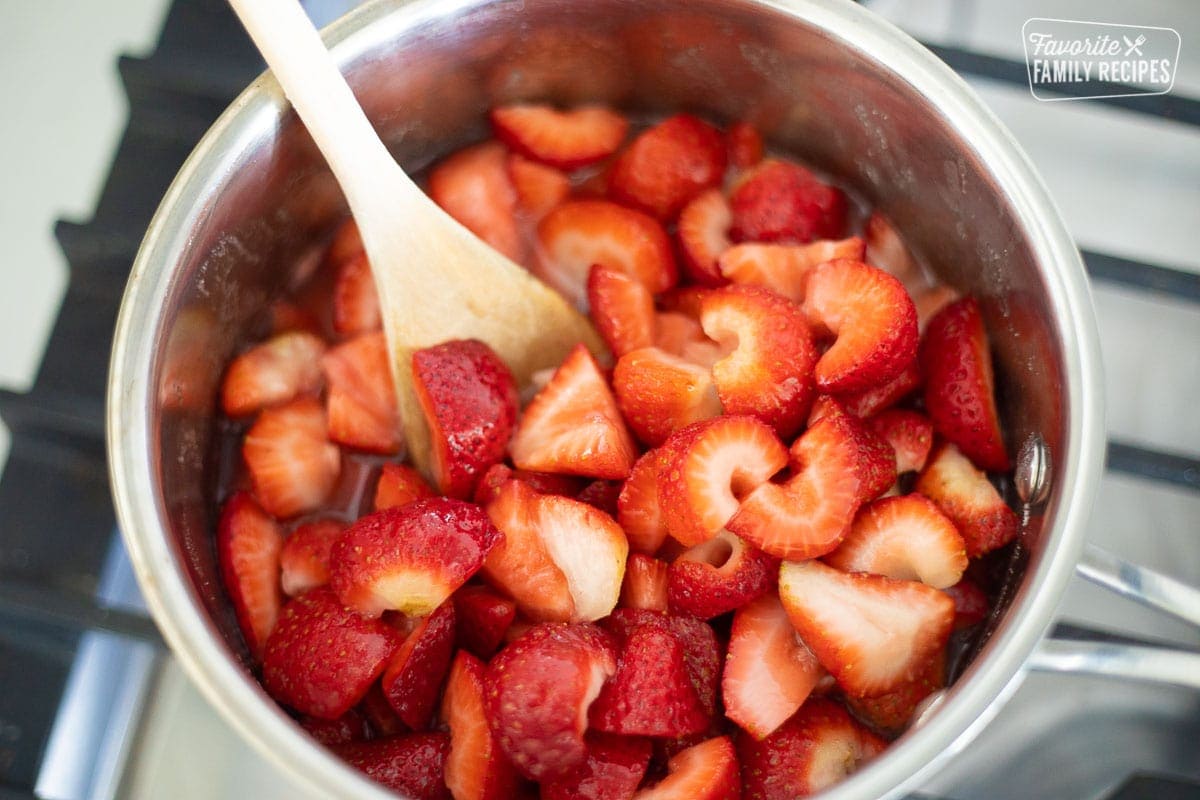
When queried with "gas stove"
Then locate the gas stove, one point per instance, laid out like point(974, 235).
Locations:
point(94, 707)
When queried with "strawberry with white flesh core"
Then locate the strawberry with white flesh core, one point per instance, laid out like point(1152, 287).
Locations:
point(638, 510)
point(707, 467)
point(412, 764)
point(469, 399)
point(659, 393)
point(809, 514)
point(280, 369)
point(769, 372)
point(703, 231)
point(572, 426)
point(964, 494)
point(876, 458)
point(414, 676)
point(666, 165)
point(361, 401)
point(292, 466)
point(563, 139)
point(476, 768)
point(706, 771)
point(717, 576)
point(622, 308)
point(870, 632)
point(872, 319)
point(910, 433)
point(410, 559)
point(304, 559)
point(473, 186)
point(613, 770)
point(783, 268)
point(906, 538)
point(959, 385)
point(769, 673)
point(248, 547)
point(539, 689)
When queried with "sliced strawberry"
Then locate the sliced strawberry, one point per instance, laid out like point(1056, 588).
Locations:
point(783, 268)
point(580, 233)
point(563, 139)
point(473, 186)
point(667, 165)
point(872, 633)
point(622, 308)
point(808, 515)
point(572, 425)
point(483, 618)
point(906, 538)
point(476, 768)
point(686, 300)
point(971, 605)
point(959, 386)
point(769, 373)
point(780, 201)
point(274, 372)
point(638, 510)
point(399, 485)
point(659, 393)
point(681, 335)
point(304, 559)
point(872, 318)
point(601, 495)
point(885, 395)
point(613, 770)
point(703, 232)
point(892, 712)
point(719, 575)
point(413, 678)
point(410, 559)
point(876, 458)
point(812, 751)
point(412, 764)
point(539, 689)
point(910, 433)
point(375, 708)
point(322, 657)
point(355, 299)
point(964, 494)
point(539, 187)
point(886, 250)
point(707, 467)
point(744, 144)
point(362, 399)
point(248, 548)
point(289, 317)
point(706, 771)
point(546, 483)
point(769, 672)
point(349, 727)
point(469, 400)
point(293, 467)
point(645, 583)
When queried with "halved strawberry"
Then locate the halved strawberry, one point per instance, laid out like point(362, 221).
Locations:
point(813, 750)
point(719, 575)
point(769, 672)
point(412, 764)
point(539, 689)
point(413, 678)
point(769, 373)
point(539, 187)
point(573, 426)
point(971, 605)
point(893, 711)
point(706, 771)
point(807, 515)
point(659, 393)
point(667, 165)
point(638, 510)
point(473, 186)
point(783, 268)
point(872, 633)
point(906, 538)
point(613, 770)
point(293, 467)
point(399, 485)
point(248, 547)
point(872, 318)
point(304, 559)
point(274, 372)
point(910, 433)
point(703, 232)
point(964, 494)
point(886, 250)
point(349, 727)
point(476, 768)
point(780, 201)
point(885, 395)
point(876, 458)
point(469, 399)
point(355, 299)
point(622, 308)
point(580, 233)
point(362, 399)
point(681, 335)
point(410, 559)
point(708, 466)
point(745, 145)
point(959, 385)
point(322, 657)
point(483, 617)
point(546, 483)
point(563, 139)
point(381, 717)
point(645, 584)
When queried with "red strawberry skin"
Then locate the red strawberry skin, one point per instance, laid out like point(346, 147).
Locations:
point(613, 770)
point(476, 769)
point(304, 560)
point(783, 202)
point(483, 619)
point(910, 433)
point(413, 679)
point(322, 657)
point(963, 494)
point(638, 509)
point(892, 712)
point(668, 164)
point(959, 385)
point(876, 458)
point(563, 139)
point(350, 727)
point(399, 485)
point(410, 559)
point(745, 144)
point(718, 576)
point(885, 395)
point(248, 549)
point(971, 605)
point(469, 397)
point(412, 764)
point(622, 308)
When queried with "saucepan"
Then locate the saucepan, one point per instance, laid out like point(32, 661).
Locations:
point(823, 79)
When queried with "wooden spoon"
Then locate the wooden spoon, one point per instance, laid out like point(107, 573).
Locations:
point(436, 280)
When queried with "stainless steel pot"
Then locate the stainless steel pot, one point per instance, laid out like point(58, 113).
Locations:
point(822, 78)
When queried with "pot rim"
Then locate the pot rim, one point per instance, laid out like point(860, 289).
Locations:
point(976, 696)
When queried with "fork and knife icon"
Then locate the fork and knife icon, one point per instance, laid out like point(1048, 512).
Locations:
point(1134, 46)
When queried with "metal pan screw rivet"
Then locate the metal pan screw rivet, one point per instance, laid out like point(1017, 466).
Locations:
point(1032, 475)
